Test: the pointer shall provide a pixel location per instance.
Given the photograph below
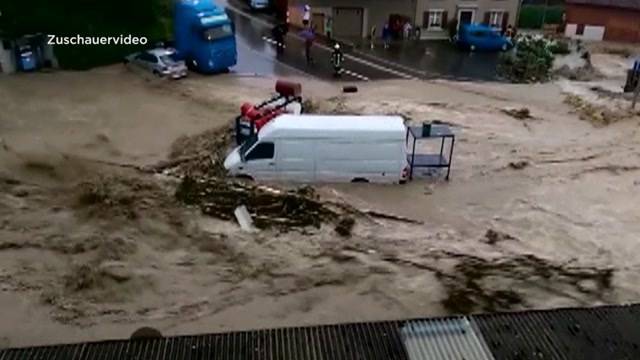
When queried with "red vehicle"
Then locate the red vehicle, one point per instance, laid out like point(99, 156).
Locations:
point(253, 117)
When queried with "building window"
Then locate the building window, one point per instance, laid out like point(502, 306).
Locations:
point(580, 29)
point(495, 18)
point(434, 19)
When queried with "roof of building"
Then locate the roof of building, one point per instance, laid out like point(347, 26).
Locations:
point(607, 332)
point(623, 4)
point(333, 125)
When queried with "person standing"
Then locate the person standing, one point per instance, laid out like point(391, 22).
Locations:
point(372, 35)
point(329, 27)
point(407, 30)
point(309, 36)
point(337, 58)
point(386, 35)
point(306, 16)
point(279, 32)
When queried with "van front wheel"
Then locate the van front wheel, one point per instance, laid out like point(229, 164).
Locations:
point(359, 180)
point(245, 178)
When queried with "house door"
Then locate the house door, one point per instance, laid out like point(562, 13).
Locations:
point(465, 16)
point(317, 22)
point(347, 21)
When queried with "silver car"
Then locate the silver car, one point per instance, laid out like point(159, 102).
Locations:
point(160, 62)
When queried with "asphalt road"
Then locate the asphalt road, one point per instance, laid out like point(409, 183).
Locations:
point(257, 54)
point(404, 60)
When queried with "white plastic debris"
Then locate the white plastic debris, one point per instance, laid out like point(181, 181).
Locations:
point(244, 219)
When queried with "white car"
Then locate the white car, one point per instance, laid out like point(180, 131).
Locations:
point(161, 62)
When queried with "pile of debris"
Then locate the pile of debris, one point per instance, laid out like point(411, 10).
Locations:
point(598, 115)
point(198, 155)
point(268, 207)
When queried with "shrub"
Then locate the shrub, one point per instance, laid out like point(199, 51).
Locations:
point(530, 61)
point(560, 47)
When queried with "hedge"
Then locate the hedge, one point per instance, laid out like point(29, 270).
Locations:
point(148, 18)
point(531, 16)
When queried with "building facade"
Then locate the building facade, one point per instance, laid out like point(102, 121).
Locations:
point(612, 20)
point(356, 18)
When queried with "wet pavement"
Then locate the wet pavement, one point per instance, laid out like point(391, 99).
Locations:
point(257, 54)
point(408, 60)
point(433, 59)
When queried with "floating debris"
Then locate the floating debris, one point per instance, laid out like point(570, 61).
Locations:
point(520, 114)
point(519, 165)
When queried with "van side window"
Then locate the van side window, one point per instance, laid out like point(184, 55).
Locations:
point(261, 151)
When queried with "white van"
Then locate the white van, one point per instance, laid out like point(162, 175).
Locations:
point(324, 148)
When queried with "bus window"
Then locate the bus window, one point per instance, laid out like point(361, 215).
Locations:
point(218, 32)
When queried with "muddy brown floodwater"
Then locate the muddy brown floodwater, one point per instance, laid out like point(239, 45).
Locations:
point(541, 210)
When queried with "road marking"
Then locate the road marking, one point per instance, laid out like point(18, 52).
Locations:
point(379, 67)
point(391, 63)
point(326, 48)
point(354, 74)
point(272, 41)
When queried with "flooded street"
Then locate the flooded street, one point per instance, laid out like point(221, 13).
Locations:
point(539, 212)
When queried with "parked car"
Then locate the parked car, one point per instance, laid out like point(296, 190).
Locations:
point(160, 62)
point(258, 4)
point(324, 148)
point(482, 37)
point(27, 58)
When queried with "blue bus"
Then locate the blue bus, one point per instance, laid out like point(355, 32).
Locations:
point(204, 36)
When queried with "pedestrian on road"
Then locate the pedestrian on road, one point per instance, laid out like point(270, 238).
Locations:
point(372, 35)
point(386, 35)
point(508, 32)
point(407, 30)
point(279, 32)
point(306, 17)
point(309, 36)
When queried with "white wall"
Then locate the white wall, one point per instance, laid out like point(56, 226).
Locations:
point(7, 60)
point(590, 32)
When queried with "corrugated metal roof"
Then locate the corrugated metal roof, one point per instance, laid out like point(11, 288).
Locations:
point(609, 332)
point(623, 4)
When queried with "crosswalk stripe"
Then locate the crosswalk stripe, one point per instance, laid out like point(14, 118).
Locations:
point(354, 74)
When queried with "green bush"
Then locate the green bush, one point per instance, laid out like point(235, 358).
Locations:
point(148, 18)
point(531, 16)
point(530, 61)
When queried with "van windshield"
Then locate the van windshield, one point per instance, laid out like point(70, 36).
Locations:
point(247, 145)
point(217, 32)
